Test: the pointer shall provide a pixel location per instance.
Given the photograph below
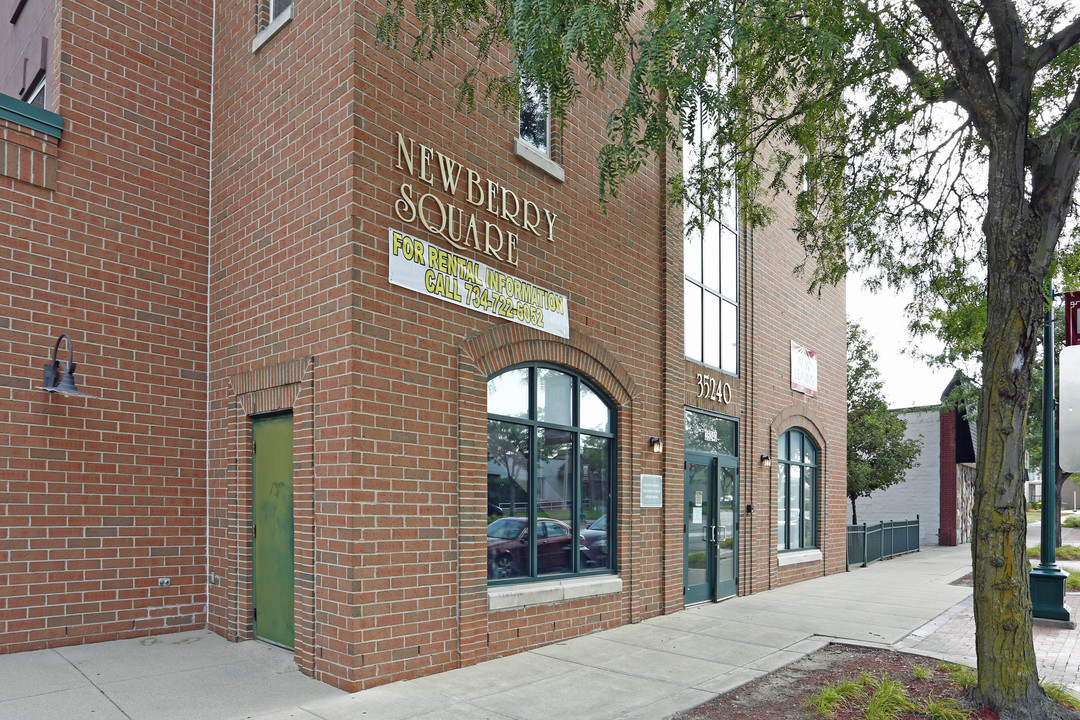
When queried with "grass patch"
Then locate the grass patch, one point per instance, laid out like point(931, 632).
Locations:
point(1065, 552)
point(883, 698)
point(1073, 521)
point(1062, 695)
point(826, 701)
point(963, 676)
point(945, 709)
point(888, 701)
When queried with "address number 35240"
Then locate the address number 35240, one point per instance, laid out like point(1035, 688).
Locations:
point(710, 387)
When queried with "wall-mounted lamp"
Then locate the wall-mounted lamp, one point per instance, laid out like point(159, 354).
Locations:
point(656, 444)
point(766, 461)
point(53, 383)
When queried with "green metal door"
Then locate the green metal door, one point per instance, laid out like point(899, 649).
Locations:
point(699, 528)
point(272, 517)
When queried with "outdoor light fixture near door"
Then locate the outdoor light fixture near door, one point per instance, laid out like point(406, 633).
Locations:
point(656, 444)
point(53, 382)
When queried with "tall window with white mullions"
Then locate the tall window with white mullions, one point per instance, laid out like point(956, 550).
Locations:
point(710, 252)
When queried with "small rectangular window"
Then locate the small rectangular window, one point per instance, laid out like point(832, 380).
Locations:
point(278, 6)
point(534, 119)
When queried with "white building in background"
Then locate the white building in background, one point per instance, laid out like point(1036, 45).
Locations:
point(940, 488)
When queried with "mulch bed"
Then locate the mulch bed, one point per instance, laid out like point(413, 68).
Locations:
point(780, 695)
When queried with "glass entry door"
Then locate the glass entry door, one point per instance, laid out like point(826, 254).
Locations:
point(727, 525)
point(710, 517)
point(699, 528)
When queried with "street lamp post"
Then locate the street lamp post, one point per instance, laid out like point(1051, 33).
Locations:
point(1048, 580)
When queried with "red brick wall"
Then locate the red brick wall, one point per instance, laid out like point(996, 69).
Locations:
point(305, 180)
point(947, 534)
point(106, 240)
point(778, 309)
point(256, 280)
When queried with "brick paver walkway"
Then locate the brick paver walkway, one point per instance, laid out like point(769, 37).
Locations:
point(951, 636)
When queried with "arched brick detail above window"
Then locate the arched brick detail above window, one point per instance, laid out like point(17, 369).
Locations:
point(502, 346)
point(799, 416)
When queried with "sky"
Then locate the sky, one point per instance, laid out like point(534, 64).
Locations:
point(908, 382)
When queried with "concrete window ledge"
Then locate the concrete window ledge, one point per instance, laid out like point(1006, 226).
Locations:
point(272, 29)
point(531, 155)
point(505, 597)
point(797, 558)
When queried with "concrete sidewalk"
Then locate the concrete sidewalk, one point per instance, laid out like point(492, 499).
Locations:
point(647, 670)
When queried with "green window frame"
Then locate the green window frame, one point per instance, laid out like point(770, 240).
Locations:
point(551, 475)
point(797, 484)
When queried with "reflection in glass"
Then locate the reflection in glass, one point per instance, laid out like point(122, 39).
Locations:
point(781, 516)
point(725, 524)
point(554, 396)
point(555, 499)
point(508, 393)
point(711, 255)
point(728, 264)
point(508, 499)
point(710, 323)
point(797, 521)
point(594, 414)
point(550, 491)
point(534, 118)
point(692, 319)
point(595, 501)
point(692, 248)
point(729, 350)
point(697, 518)
point(710, 434)
point(794, 504)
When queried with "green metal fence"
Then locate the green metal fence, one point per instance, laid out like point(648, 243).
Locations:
point(869, 543)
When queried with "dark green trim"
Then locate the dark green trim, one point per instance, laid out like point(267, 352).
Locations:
point(31, 116)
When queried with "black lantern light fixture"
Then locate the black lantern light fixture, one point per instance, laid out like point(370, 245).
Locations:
point(656, 444)
point(53, 382)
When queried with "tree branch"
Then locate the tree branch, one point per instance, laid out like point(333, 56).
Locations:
point(1008, 34)
point(1063, 40)
point(972, 70)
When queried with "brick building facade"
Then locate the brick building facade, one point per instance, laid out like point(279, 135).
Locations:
point(286, 264)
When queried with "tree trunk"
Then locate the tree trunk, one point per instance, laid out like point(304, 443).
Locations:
point(854, 517)
point(1008, 676)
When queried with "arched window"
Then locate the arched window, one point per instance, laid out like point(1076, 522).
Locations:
point(796, 520)
point(551, 456)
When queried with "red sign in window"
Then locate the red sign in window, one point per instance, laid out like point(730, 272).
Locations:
point(1072, 318)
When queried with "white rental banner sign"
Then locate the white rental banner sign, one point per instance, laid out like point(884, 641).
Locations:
point(1069, 409)
point(430, 270)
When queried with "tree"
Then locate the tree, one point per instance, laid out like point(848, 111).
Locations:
point(878, 455)
point(938, 141)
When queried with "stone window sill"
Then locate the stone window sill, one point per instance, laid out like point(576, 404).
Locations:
point(272, 29)
point(798, 557)
point(505, 597)
point(531, 155)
